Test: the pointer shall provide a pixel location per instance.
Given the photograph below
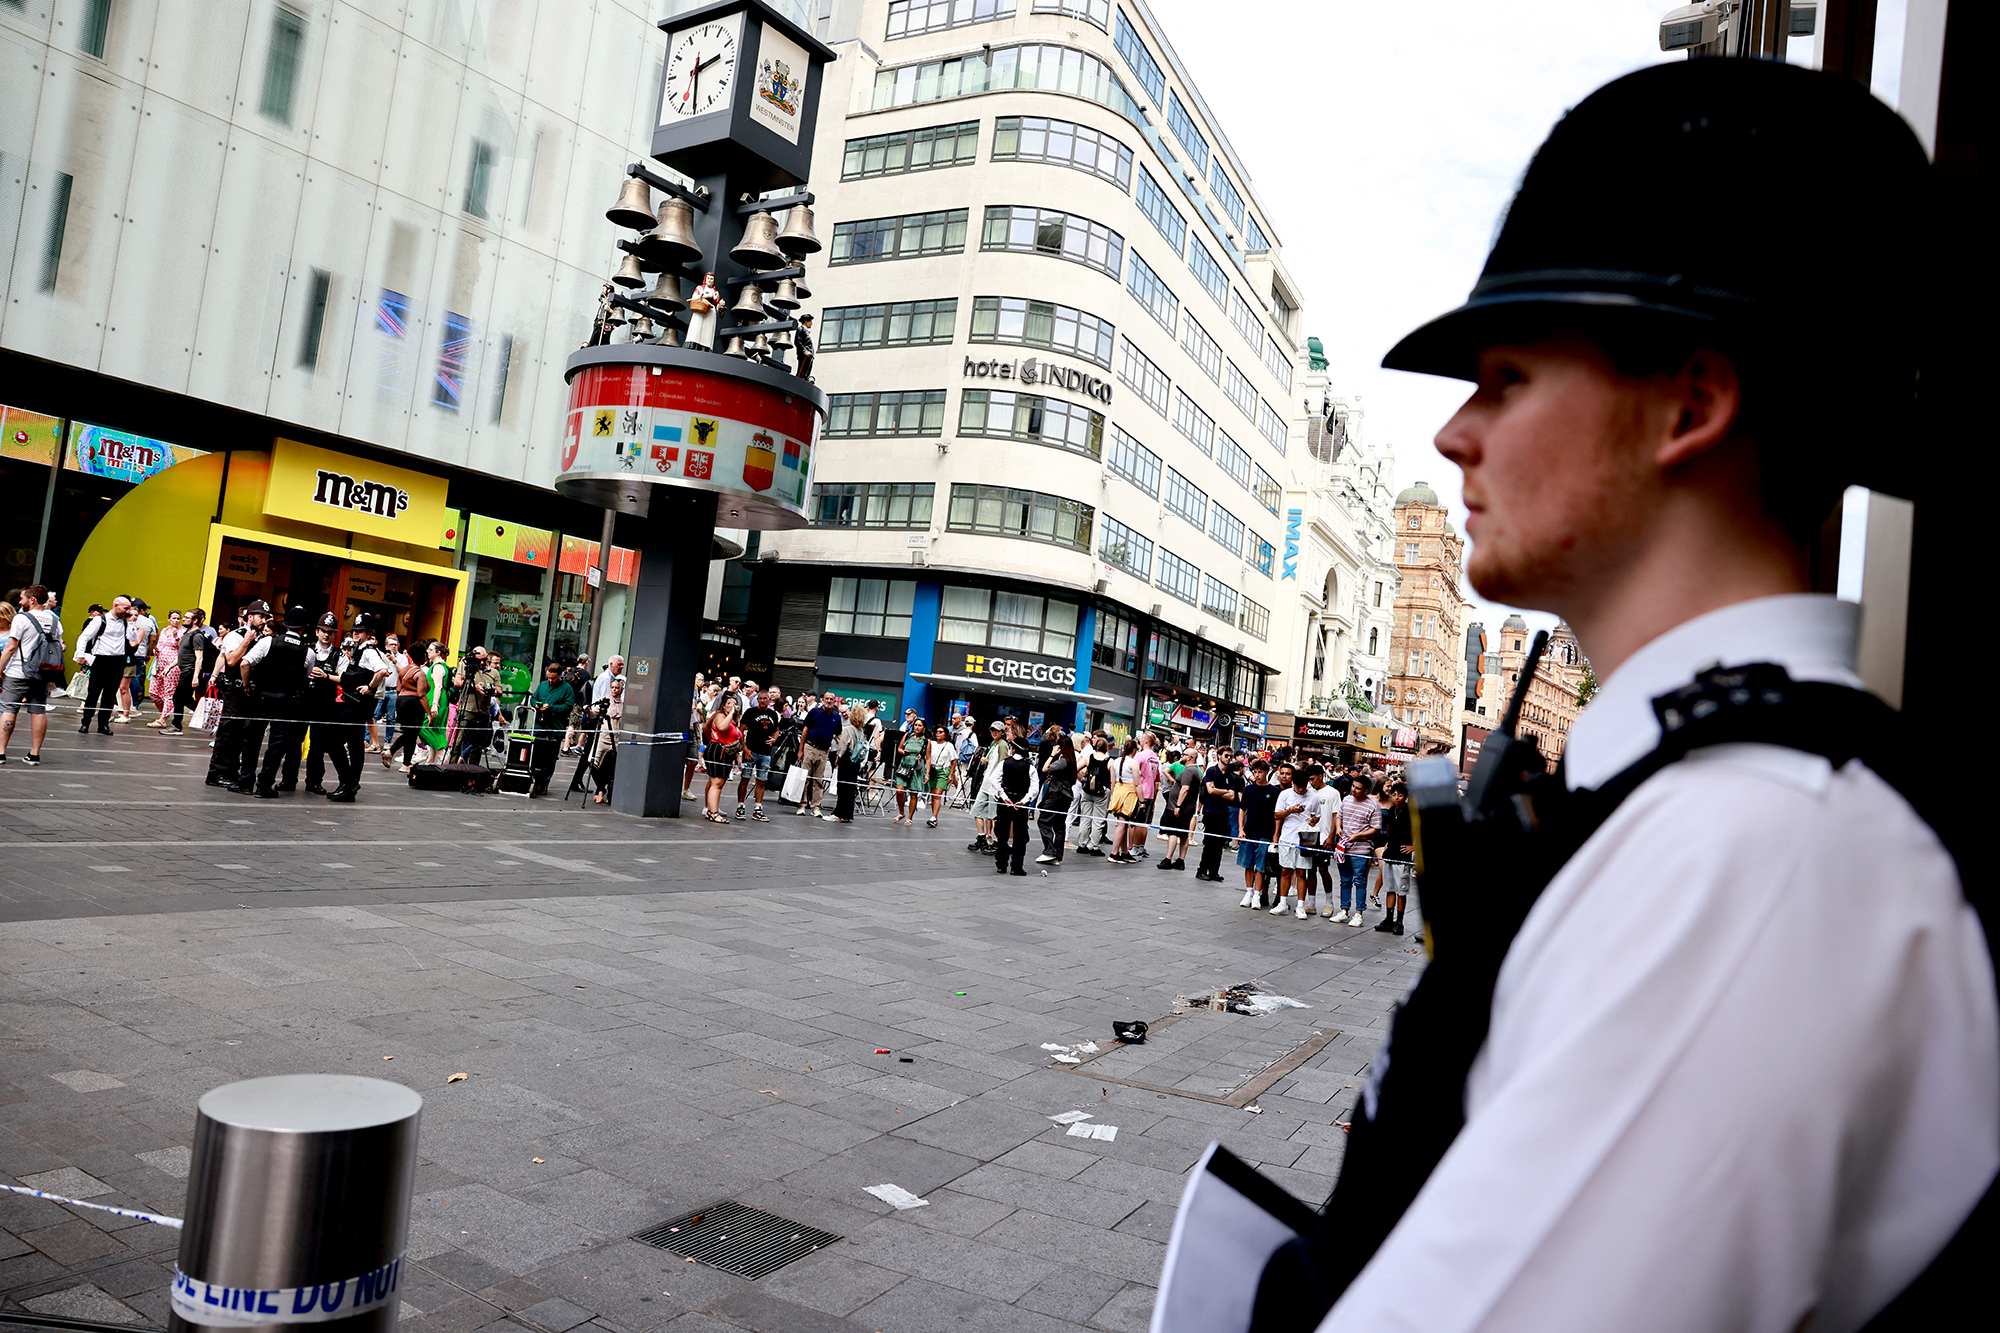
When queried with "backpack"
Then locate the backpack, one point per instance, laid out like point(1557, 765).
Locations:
point(1097, 777)
point(47, 663)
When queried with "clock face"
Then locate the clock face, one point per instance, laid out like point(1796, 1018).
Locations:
point(701, 71)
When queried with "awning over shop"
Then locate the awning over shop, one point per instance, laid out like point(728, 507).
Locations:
point(1014, 689)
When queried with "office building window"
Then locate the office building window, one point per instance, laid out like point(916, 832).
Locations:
point(912, 18)
point(910, 412)
point(1047, 231)
point(1227, 529)
point(927, 149)
point(1209, 671)
point(1185, 498)
point(1064, 143)
point(1117, 643)
point(1031, 418)
point(1282, 311)
point(1177, 578)
point(872, 504)
point(1246, 322)
point(896, 324)
point(454, 350)
point(1270, 425)
point(1208, 273)
point(281, 66)
point(1217, 599)
point(1147, 379)
point(1008, 620)
point(1097, 12)
point(479, 178)
point(322, 289)
point(1134, 462)
point(1266, 490)
point(1253, 237)
point(1046, 67)
point(1262, 555)
point(1279, 362)
point(907, 237)
point(1225, 193)
point(1374, 639)
point(95, 27)
point(1191, 421)
point(1145, 284)
point(1140, 59)
point(1007, 512)
point(1206, 351)
point(1378, 597)
point(876, 607)
point(1237, 385)
point(1234, 459)
point(1121, 546)
point(1182, 124)
point(1160, 211)
point(1167, 658)
point(1044, 324)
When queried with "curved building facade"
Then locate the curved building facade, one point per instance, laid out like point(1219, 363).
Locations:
point(1061, 345)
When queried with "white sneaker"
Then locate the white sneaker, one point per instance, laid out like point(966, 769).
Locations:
point(1045, 860)
point(1303, 913)
point(1249, 898)
point(1279, 910)
point(1355, 920)
point(1338, 917)
point(831, 819)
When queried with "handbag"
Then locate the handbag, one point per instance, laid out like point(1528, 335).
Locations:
point(1124, 798)
point(207, 712)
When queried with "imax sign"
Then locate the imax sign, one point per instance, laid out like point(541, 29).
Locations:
point(1293, 519)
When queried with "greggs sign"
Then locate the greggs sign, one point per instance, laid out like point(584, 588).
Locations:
point(318, 486)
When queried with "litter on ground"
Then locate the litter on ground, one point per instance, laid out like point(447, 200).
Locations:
point(1103, 1132)
point(896, 1196)
point(1070, 1117)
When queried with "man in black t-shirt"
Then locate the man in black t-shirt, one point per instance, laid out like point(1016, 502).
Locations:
point(760, 737)
point(1222, 793)
point(1260, 803)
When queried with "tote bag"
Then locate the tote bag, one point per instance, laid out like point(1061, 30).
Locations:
point(795, 784)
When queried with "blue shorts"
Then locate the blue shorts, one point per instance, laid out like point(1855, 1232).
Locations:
point(757, 767)
point(1250, 855)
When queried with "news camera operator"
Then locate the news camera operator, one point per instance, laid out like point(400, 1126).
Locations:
point(363, 668)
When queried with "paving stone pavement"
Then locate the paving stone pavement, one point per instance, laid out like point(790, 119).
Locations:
point(666, 1014)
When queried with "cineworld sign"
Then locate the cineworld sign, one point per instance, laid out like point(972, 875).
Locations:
point(1293, 518)
point(369, 497)
point(1013, 668)
point(1032, 371)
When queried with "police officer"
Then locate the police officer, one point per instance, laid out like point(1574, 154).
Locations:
point(225, 760)
point(1732, 1061)
point(274, 683)
point(363, 668)
point(321, 699)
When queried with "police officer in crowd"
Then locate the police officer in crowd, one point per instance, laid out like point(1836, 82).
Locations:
point(225, 759)
point(321, 699)
point(363, 668)
point(1733, 1060)
point(274, 687)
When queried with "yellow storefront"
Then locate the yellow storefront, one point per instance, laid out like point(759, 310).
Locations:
point(297, 524)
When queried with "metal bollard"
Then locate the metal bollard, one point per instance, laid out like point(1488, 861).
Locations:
point(298, 1205)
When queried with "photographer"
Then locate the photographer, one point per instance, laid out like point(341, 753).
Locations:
point(478, 684)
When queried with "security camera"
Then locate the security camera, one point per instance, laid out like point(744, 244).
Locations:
point(1693, 25)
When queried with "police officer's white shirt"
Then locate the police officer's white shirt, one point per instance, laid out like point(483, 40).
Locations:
point(258, 651)
point(1744, 1065)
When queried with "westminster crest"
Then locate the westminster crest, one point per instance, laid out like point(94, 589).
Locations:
point(776, 85)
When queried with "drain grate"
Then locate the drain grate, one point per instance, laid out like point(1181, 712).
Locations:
point(748, 1242)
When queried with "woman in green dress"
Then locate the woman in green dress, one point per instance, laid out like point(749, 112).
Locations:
point(436, 713)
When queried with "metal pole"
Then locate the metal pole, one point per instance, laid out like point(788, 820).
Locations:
point(596, 637)
point(298, 1205)
point(49, 500)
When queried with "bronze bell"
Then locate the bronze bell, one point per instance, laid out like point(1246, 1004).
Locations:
point(749, 305)
point(735, 349)
point(797, 238)
point(666, 293)
point(629, 273)
point(782, 338)
point(757, 249)
point(800, 290)
point(634, 208)
point(669, 335)
point(786, 297)
point(675, 233)
point(641, 329)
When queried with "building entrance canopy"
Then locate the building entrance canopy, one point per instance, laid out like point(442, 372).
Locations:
point(1012, 688)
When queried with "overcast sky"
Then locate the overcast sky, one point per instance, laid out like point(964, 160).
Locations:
point(1384, 139)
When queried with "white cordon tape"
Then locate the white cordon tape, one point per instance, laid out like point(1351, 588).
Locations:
point(240, 1307)
point(173, 1222)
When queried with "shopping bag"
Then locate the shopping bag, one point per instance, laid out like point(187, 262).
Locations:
point(795, 784)
point(79, 684)
point(207, 712)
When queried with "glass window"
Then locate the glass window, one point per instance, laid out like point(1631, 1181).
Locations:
point(1008, 512)
point(1036, 65)
point(1262, 555)
point(1134, 461)
point(1206, 351)
point(1140, 59)
point(1217, 599)
point(1182, 124)
point(1064, 143)
point(1282, 311)
point(1208, 273)
point(1121, 546)
point(1225, 193)
point(926, 149)
point(281, 66)
point(965, 614)
point(1045, 324)
point(1167, 658)
point(1032, 418)
point(1191, 421)
point(877, 607)
point(1409, 553)
point(1117, 642)
point(1266, 490)
point(1234, 459)
point(908, 237)
point(1160, 211)
point(1177, 578)
point(1145, 284)
point(899, 324)
point(1227, 529)
point(1137, 369)
point(1237, 385)
point(1185, 498)
point(872, 504)
point(1246, 322)
point(1270, 425)
point(1253, 237)
point(1008, 620)
point(1046, 231)
point(1097, 12)
point(478, 178)
point(911, 18)
point(1279, 362)
point(95, 27)
point(911, 412)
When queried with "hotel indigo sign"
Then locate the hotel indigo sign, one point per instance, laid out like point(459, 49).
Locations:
point(1030, 371)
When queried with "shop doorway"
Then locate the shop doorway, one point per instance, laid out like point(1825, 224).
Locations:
point(408, 603)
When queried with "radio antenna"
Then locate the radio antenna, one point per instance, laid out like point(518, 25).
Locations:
point(1534, 660)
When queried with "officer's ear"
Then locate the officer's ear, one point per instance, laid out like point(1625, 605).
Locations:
point(1703, 405)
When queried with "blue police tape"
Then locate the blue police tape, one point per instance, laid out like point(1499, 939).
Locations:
point(173, 1222)
point(201, 1302)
